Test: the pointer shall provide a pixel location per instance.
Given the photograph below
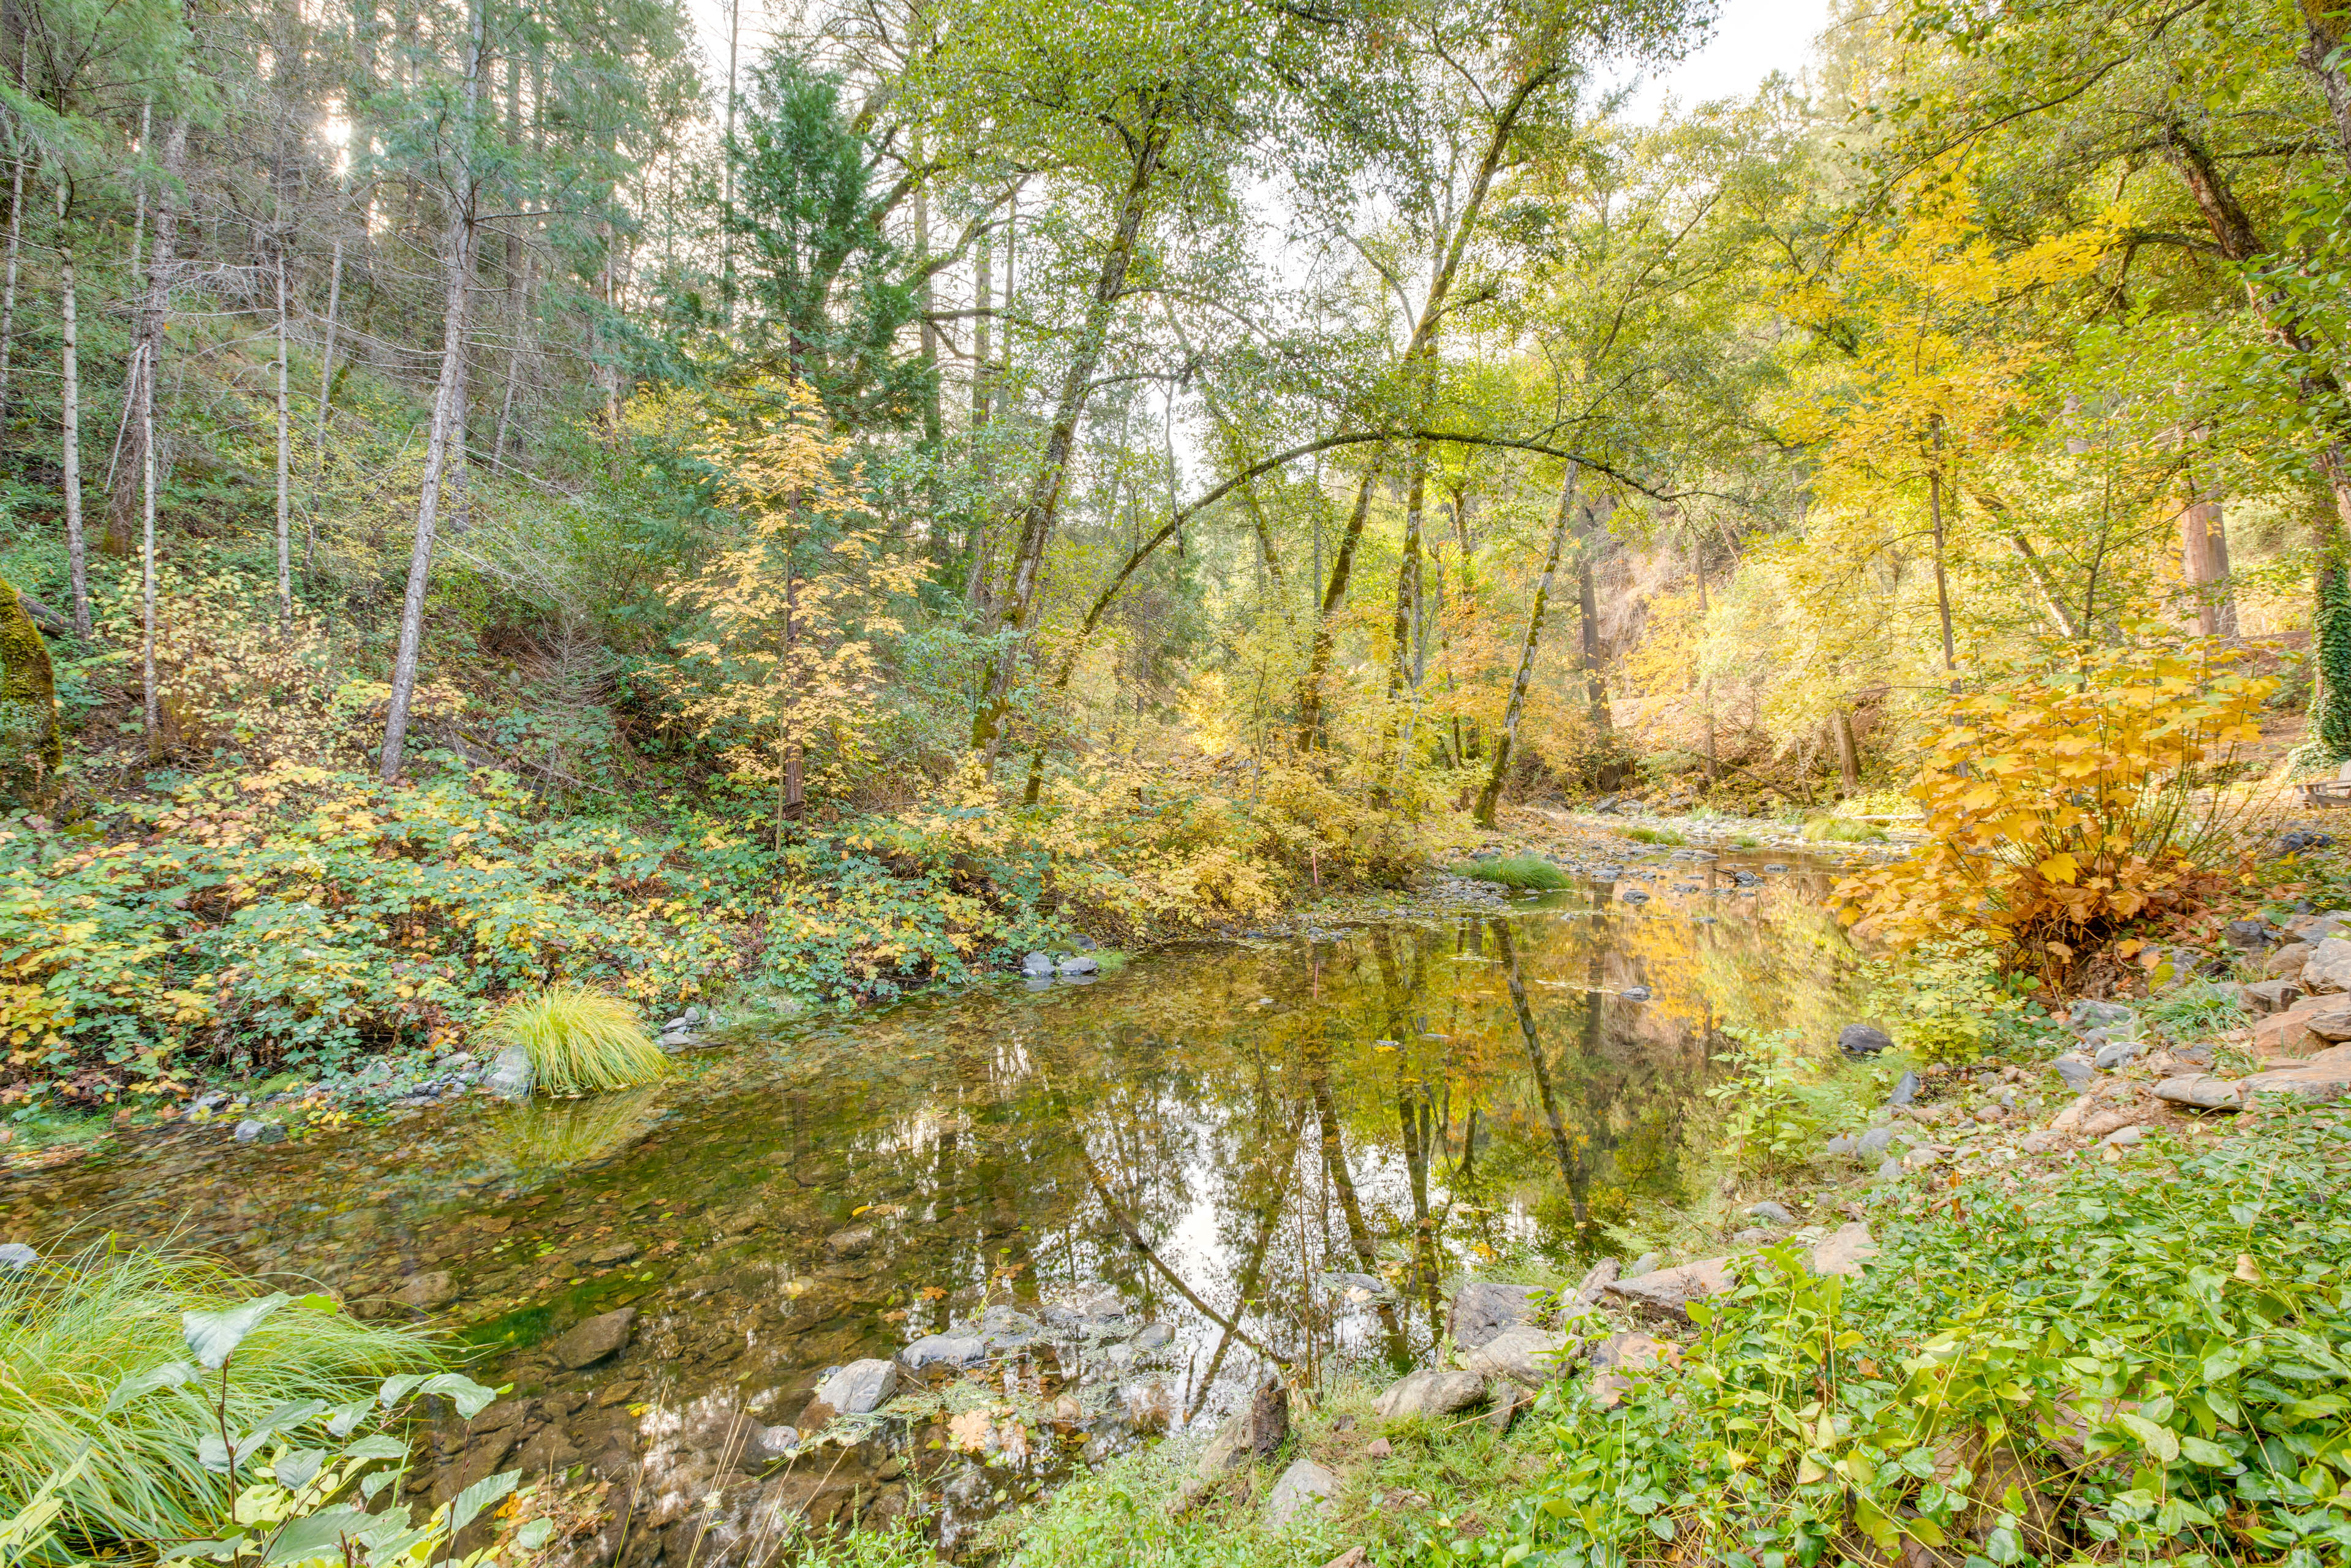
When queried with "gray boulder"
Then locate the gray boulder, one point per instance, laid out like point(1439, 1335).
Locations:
point(1083, 964)
point(1431, 1394)
point(1355, 1292)
point(252, 1132)
point(943, 1350)
point(1483, 1309)
point(2089, 1014)
point(590, 1341)
point(510, 1074)
point(1771, 1213)
point(1304, 1488)
point(1906, 1089)
point(1872, 1145)
point(2201, 1091)
point(2078, 1070)
point(861, 1387)
point(2117, 1053)
point(1525, 1354)
point(1038, 966)
point(1666, 1294)
point(17, 1255)
point(1863, 1040)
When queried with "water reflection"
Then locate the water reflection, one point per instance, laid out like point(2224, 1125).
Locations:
point(1281, 1153)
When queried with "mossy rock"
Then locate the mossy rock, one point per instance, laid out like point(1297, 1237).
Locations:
point(31, 753)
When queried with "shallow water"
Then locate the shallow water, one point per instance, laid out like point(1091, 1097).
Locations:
point(1213, 1135)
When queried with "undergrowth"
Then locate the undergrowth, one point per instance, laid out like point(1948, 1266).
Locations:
point(578, 1039)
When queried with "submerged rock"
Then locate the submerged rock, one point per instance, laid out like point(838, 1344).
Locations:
point(426, 1292)
point(944, 1350)
point(592, 1340)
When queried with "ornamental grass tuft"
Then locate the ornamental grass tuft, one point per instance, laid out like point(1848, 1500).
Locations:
point(71, 1331)
point(579, 1040)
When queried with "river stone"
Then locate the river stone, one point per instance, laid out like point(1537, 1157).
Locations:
point(426, 1292)
point(2325, 1076)
point(1357, 1291)
point(1841, 1147)
point(1523, 1354)
point(2090, 1014)
point(944, 1350)
point(2272, 995)
point(1633, 896)
point(1483, 1309)
point(1906, 1089)
point(861, 1387)
point(2077, 1069)
point(510, 1073)
point(1871, 1145)
point(2203, 1090)
point(1635, 993)
point(252, 1132)
point(1154, 1336)
point(1771, 1213)
point(2246, 934)
point(1844, 1251)
point(1863, 1040)
point(767, 1443)
point(1038, 966)
point(1250, 1434)
point(1083, 964)
point(2123, 1137)
point(855, 1241)
point(1008, 1329)
point(1431, 1394)
point(2117, 1053)
point(1305, 1486)
point(2328, 969)
point(1616, 1359)
point(1666, 1293)
point(614, 1252)
point(592, 1340)
point(2286, 963)
point(17, 1255)
point(1091, 1303)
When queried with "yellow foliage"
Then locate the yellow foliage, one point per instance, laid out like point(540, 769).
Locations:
point(2061, 805)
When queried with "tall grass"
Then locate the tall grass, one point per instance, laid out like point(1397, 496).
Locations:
point(579, 1040)
point(1655, 836)
point(1843, 830)
point(1522, 871)
point(70, 1333)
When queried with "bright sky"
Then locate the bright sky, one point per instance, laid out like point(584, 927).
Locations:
point(1752, 38)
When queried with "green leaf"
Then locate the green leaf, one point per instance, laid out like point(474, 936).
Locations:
point(213, 1337)
point(315, 1537)
point(170, 1374)
point(2207, 1453)
point(300, 1468)
point(479, 1496)
point(2159, 1441)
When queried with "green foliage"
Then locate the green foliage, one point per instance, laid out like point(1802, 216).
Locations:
point(2197, 1010)
point(2138, 1362)
point(1655, 836)
point(1781, 1099)
point(578, 1039)
point(1520, 872)
point(1842, 831)
point(1950, 1005)
point(71, 1331)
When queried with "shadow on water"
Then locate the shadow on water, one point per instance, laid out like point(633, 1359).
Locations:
point(1142, 1191)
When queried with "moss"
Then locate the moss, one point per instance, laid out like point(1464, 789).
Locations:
point(31, 751)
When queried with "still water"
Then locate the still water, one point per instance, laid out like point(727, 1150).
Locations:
point(1273, 1153)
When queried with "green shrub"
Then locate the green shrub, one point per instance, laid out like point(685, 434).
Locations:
point(1949, 1005)
point(1781, 1103)
point(69, 1332)
point(578, 1039)
point(1522, 871)
point(1655, 836)
point(2148, 1360)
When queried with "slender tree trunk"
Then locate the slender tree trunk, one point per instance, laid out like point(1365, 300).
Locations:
point(153, 319)
point(1848, 750)
point(2204, 562)
point(1408, 591)
point(1490, 799)
point(1587, 604)
point(1053, 474)
point(1320, 649)
point(1942, 580)
point(69, 424)
point(445, 445)
point(325, 396)
point(285, 463)
point(139, 200)
point(16, 249)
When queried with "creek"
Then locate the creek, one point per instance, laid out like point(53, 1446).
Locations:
point(1140, 1191)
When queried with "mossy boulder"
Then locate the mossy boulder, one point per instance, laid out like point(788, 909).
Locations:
point(31, 751)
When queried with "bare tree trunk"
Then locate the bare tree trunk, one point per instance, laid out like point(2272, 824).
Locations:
point(1942, 581)
point(1490, 798)
point(16, 249)
point(1053, 472)
point(153, 317)
point(2204, 561)
point(448, 415)
point(285, 463)
point(69, 424)
point(514, 366)
point(1587, 604)
point(1320, 649)
point(1848, 750)
point(148, 480)
point(326, 393)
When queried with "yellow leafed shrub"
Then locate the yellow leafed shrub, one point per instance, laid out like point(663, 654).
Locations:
point(2061, 805)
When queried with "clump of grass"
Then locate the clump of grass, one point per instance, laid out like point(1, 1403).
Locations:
point(1843, 830)
point(2195, 1010)
point(1655, 836)
point(70, 1333)
point(579, 1040)
point(1745, 841)
point(1521, 872)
